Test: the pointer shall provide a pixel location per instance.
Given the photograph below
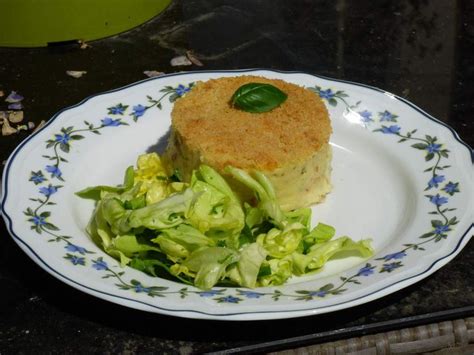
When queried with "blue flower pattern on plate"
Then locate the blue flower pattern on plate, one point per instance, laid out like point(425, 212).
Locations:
point(318, 293)
point(100, 265)
point(118, 109)
point(393, 129)
point(48, 191)
point(441, 230)
point(327, 94)
point(37, 177)
point(110, 122)
point(390, 267)
point(435, 181)
point(387, 117)
point(451, 188)
point(366, 116)
point(39, 221)
point(139, 288)
point(138, 110)
point(54, 171)
point(62, 138)
point(76, 260)
point(210, 293)
point(75, 249)
point(250, 294)
point(438, 200)
point(394, 256)
point(181, 89)
point(229, 299)
point(433, 148)
point(366, 271)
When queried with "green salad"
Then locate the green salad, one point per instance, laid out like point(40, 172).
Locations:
point(201, 234)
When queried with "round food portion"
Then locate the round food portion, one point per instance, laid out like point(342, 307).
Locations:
point(287, 143)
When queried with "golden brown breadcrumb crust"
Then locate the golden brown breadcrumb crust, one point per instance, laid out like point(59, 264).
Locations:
point(223, 135)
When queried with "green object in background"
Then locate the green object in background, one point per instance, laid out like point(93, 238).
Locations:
point(35, 23)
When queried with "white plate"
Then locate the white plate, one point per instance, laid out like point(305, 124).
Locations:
point(400, 177)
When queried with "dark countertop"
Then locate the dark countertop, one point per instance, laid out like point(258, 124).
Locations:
point(420, 50)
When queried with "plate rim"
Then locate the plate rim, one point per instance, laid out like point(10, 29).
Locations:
point(435, 265)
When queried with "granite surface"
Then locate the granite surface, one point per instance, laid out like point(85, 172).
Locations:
point(420, 50)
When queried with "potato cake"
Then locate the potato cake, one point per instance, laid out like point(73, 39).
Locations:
point(290, 144)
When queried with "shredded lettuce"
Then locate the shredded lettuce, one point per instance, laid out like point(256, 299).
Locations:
point(201, 233)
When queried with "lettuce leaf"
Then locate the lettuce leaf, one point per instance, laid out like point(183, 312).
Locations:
point(209, 265)
point(247, 269)
point(216, 210)
point(300, 215)
point(166, 213)
point(213, 178)
point(280, 272)
point(264, 193)
point(280, 243)
point(320, 253)
point(320, 234)
point(149, 168)
point(116, 215)
point(99, 229)
point(179, 242)
point(188, 236)
point(155, 183)
point(130, 246)
point(95, 192)
point(150, 266)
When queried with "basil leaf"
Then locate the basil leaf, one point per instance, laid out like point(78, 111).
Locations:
point(258, 97)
